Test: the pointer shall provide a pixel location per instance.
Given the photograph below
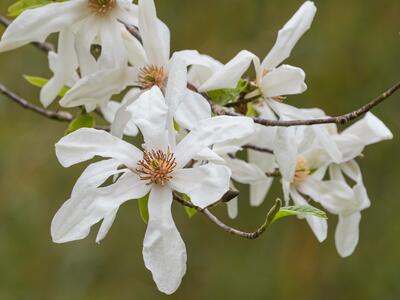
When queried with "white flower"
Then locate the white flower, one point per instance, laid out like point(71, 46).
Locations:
point(92, 21)
point(158, 170)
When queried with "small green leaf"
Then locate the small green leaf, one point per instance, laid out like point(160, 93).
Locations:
point(144, 209)
point(40, 82)
point(225, 96)
point(251, 111)
point(20, 6)
point(302, 211)
point(84, 120)
point(176, 126)
point(191, 212)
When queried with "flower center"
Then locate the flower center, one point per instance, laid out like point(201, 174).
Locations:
point(156, 167)
point(102, 7)
point(302, 170)
point(150, 76)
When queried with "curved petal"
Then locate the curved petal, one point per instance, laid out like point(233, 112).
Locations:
point(212, 131)
point(75, 218)
point(201, 72)
point(347, 234)
point(135, 51)
point(99, 87)
point(233, 205)
point(244, 172)
point(285, 80)
point(289, 35)
point(285, 152)
point(155, 34)
point(229, 75)
point(205, 185)
point(164, 251)
point(86, 143)
point(127, 12)
point(105, 227)
point(177, 83)
point(318, 226)
point(37, 24)
point(192, 109)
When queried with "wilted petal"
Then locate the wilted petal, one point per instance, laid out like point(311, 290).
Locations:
point(86, 143)
point(289, 35)
point(347, 234)
point(204, 185)
point(37, 24)
point(164, 251)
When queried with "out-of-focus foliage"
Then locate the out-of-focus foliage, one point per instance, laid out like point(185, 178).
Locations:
point(351, 54)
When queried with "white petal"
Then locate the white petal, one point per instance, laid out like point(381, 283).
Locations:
point(177, 81)
point(37, 24)
point(259, 191)
point(155, 34)
point(113, 53)
point(205, 185)
point(228, 76)
point(105, 227)
point(289, 35)
point(209, 155)
point(285, 80)
point(244, 172)
point(319, 226)
point(192, 109)
point(370, 130)
point(212, 131)
point(233, 206)
point(99, 87)
point(127, 12)
point(347, 234)
point(86, 143)
point(350, 146)
point(136, 53)
point(164, 251)
point(75, 218)
point(190, 57)
point(285, 152)
point(201, 72)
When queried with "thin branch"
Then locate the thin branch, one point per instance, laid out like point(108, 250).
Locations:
point(47, 47)
point(248, 235)
point(343, 119)
point(61, 116)
point(259, 149)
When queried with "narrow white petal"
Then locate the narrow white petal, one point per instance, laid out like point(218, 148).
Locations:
point(205, 185)
point(86, 143)
point(285, 151)
point(200, 72)
point(212, 131)
point(245, 172)
point(285, 80)
point(289, 35)
point(233, 208)
point(347, 234)
point(164, 251)
point(228, 76)
point(75, 218)
point(105, 227)
point(37, 24)
point(135, 51)
point(177, 83)
point(113, 53)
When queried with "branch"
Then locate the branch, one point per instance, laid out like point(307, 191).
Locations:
point(248, 235)
point(61, 116)
point(259, 149)
point(343, 119)
point(47, 47)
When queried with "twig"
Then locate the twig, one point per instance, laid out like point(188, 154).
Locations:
point(47, 47)
point(259, 149)
point(343, 119)
point(248, 235)
point(62, 116)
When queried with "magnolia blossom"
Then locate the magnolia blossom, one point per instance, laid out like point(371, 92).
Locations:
point(158, 170)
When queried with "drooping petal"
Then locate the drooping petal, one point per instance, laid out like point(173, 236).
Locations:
point(233, 205)
point(245, 172)
point(285, 152)
point(37, 24)
point(155, 34)
point(99, 87)
point(75, 218)
point(228, 76)
point(318, 226)
point(212, 131)
point(289, 35)
point(347, 234)
point(192, 109)
point(205, 185)
point(285, 80)
point(86, 143)
point(164, 251)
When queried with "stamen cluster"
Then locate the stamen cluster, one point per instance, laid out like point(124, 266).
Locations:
point(152, 75)
point(102, 7)
point(156, 167)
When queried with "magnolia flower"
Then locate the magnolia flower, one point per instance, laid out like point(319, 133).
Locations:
point(158, 170)
point(92, 21)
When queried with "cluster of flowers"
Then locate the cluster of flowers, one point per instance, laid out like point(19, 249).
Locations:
point(186, 149)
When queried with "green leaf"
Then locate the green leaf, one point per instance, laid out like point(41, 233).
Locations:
point(225, 96)
point(20, 6)
point(144, 209)
point(251, 111)
point(84, 120)
point(302, 211)
point(40, 82)
point(191, 212)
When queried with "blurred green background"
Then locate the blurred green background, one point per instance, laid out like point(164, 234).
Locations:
point(351, 54)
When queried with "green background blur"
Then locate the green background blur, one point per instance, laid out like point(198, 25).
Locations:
point(351, 54)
